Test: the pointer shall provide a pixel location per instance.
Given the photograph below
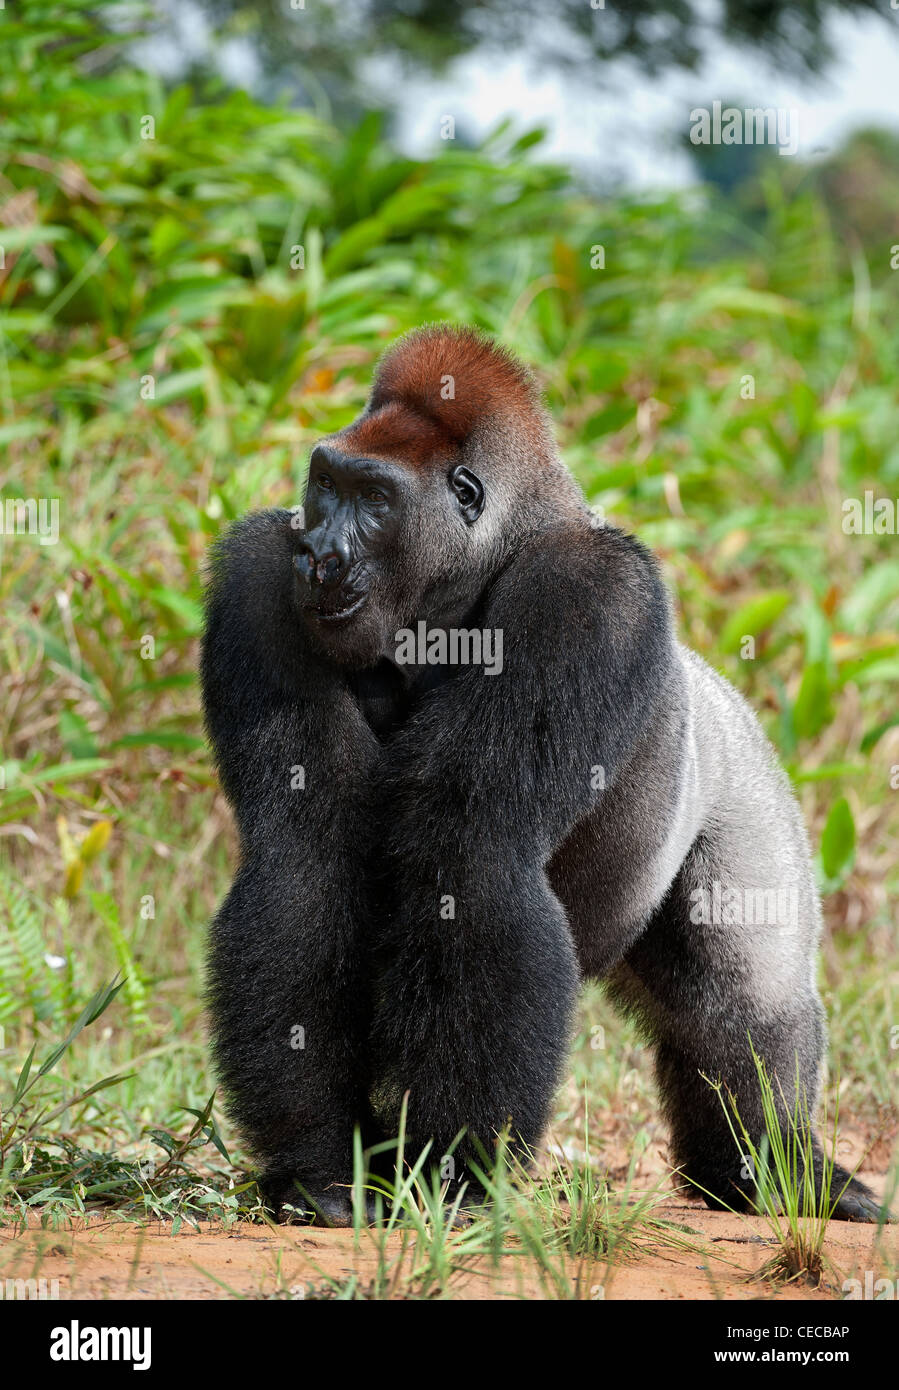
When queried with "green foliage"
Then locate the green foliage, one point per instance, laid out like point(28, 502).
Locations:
point(19, 1119)
point(135, 990)
point(25, 975)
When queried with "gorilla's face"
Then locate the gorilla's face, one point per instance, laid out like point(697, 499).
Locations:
point(384, 545)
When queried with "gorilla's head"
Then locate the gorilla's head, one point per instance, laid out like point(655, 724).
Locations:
point(384, 546)
point(411, 510)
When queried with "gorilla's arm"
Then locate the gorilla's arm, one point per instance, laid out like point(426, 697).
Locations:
point(286, 949)
point(487, 778)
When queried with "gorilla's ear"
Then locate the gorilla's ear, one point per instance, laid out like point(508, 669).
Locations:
point(469, 491)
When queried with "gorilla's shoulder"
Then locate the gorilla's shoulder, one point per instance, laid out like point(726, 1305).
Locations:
point(252, 551)
point(252, 631)
point(580, 569)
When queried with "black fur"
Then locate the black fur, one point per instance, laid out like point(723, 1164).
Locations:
point(450, 785)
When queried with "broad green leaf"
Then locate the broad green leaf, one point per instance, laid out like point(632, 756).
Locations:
point(838, 839)
point(753, 618)
point(812, 709)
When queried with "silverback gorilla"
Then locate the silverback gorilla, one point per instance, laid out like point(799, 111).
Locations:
point(434, 852)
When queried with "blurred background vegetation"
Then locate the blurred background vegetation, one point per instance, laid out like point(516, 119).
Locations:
point(193, 287)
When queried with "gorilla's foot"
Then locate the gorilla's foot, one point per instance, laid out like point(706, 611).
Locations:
point(849, 1198)
point(330, 1206)
point(855, 1201)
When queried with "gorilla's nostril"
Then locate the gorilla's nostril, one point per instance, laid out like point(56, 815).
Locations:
point(329, 569)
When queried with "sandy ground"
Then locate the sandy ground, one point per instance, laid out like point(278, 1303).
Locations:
point(114, 1260)
point(102, 1259)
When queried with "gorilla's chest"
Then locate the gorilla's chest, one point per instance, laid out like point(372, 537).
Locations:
point(387, 698)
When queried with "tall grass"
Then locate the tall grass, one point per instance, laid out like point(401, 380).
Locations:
point(795, 1194)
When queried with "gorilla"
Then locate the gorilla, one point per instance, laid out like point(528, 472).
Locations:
point(435, 849)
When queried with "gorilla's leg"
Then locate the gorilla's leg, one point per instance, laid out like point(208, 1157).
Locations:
point(697, 988)
point(473, 1016)
point(290, 1013)
point(702, 1144)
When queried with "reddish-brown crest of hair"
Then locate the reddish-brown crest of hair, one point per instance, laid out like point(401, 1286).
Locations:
point(433, 389)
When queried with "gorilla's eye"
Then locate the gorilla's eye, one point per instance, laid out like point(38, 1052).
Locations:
point(375, 494)
point(324, 482)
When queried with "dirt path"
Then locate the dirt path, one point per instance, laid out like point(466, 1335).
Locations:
point(101, 1259)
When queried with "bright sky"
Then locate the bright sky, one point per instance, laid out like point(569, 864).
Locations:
point(628, 122)
point(626, 127)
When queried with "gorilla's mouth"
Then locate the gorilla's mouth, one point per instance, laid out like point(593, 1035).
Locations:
point(341, 615)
